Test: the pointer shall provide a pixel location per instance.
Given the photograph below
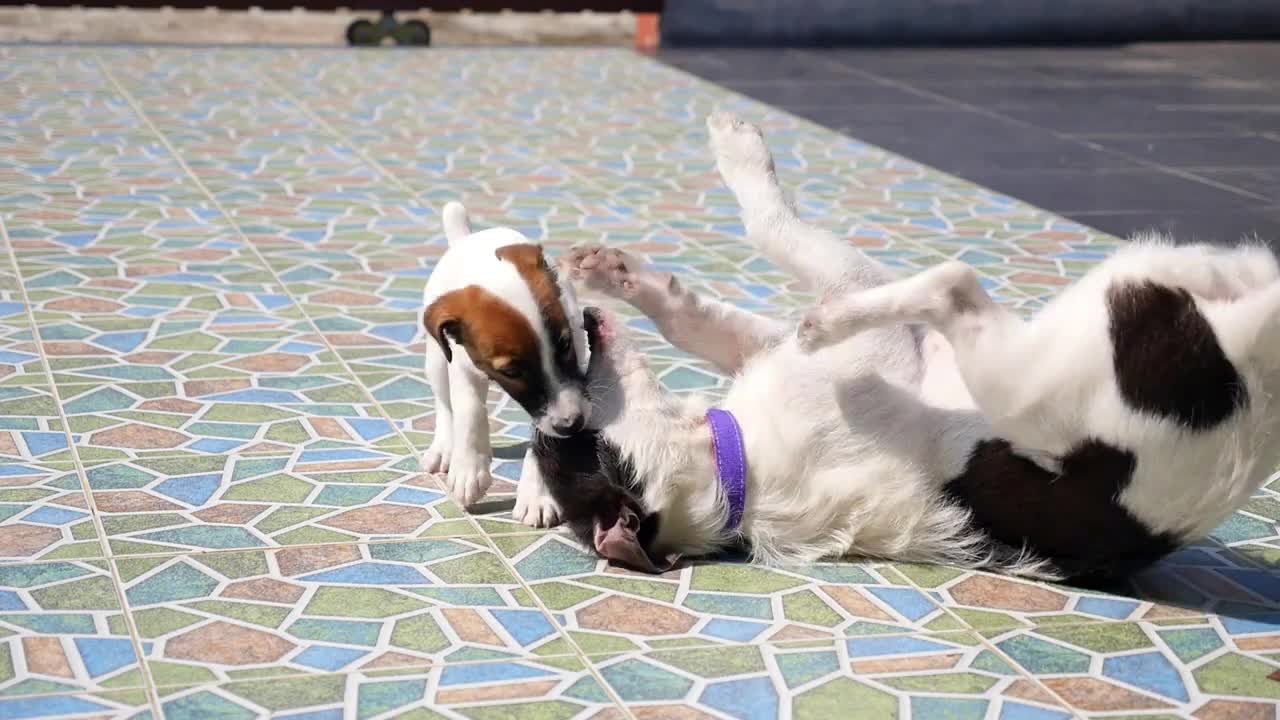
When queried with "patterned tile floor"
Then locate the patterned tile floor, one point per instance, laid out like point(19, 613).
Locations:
point(211, 409)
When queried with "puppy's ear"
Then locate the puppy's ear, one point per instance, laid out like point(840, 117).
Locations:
point(443, 320)
point(525, 256)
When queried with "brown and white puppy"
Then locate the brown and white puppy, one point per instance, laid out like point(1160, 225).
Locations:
point(497, 311)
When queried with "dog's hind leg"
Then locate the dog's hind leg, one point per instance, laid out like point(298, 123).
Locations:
point(1249, 328)
point(823, 262)
point(711, 329)
point(994, 351)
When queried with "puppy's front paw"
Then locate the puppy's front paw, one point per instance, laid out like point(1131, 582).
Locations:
point(607, 270)
point(535, 507)
point(469, 478)
point(436, 460)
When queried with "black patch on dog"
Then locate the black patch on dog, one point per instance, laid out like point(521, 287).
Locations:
point(592, 482)
point(1074, 519)
point(1167, 358)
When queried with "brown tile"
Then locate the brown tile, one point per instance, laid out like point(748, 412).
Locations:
point(197, 388)
point(298, 561)
point(270, 362)
point(394, 659)
point(119, 501)
point(1262, 643)
point(470, 627)
point(798, 632)
point(669, 712)
point(1097, 695)
point(230, 513)
point(380, 519)
point(995, 593)
point(174, 405)
point(638, 617)
point(83, 304)
point(508, 691)
point(855, 603)
point(1235, 710)
point(893, 665)
point(1027, 690)
point(226, 644)
point(44, 656)
point(138, 437)
point(266, 589)
point(22, 540)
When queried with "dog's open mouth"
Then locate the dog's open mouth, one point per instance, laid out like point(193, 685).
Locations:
point(627, 543)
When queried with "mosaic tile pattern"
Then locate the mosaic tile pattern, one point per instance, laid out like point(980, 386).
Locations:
point(212, 407)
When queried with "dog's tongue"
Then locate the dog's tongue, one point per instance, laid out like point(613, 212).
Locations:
point(621, 545)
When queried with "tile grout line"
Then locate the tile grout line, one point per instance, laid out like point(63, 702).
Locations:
point(180, 160)
point(906, 87)
point(135, 639)
point(533, 596)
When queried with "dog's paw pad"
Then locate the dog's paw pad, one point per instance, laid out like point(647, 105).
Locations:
point(610, 271)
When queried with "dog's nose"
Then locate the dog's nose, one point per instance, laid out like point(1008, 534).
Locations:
point(570, 426)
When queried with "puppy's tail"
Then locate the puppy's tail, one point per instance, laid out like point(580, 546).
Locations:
point(456, 224)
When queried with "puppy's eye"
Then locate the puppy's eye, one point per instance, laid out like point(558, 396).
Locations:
point(512, 371)
point(564, 346)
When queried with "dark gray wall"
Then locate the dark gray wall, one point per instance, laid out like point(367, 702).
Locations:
point(861, 22)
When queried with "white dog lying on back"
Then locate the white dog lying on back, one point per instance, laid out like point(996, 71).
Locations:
point(918, 420)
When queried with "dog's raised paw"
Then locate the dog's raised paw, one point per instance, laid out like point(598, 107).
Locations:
point(818, 328)
point(607, 270)
point(744, 162)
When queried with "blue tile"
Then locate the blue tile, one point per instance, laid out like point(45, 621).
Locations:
point(736, 630)
point(752, 699)
point(526, 626)
point(103, 656)
point(911, 604)
point(49, 515)
point(194, 490)
point(371, 573)
point(1107, 607)
point(488, 672)
point(878, 646)
point(324, 657)
point(1150, 671)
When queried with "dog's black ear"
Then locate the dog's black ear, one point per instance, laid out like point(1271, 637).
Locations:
point(443, 320)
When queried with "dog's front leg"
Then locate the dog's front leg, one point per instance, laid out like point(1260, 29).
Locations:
point(711, 329)
point(534, 505)
point(441, 451)
point(469, 476)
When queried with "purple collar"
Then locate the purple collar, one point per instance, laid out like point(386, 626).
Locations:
point(731, 463)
